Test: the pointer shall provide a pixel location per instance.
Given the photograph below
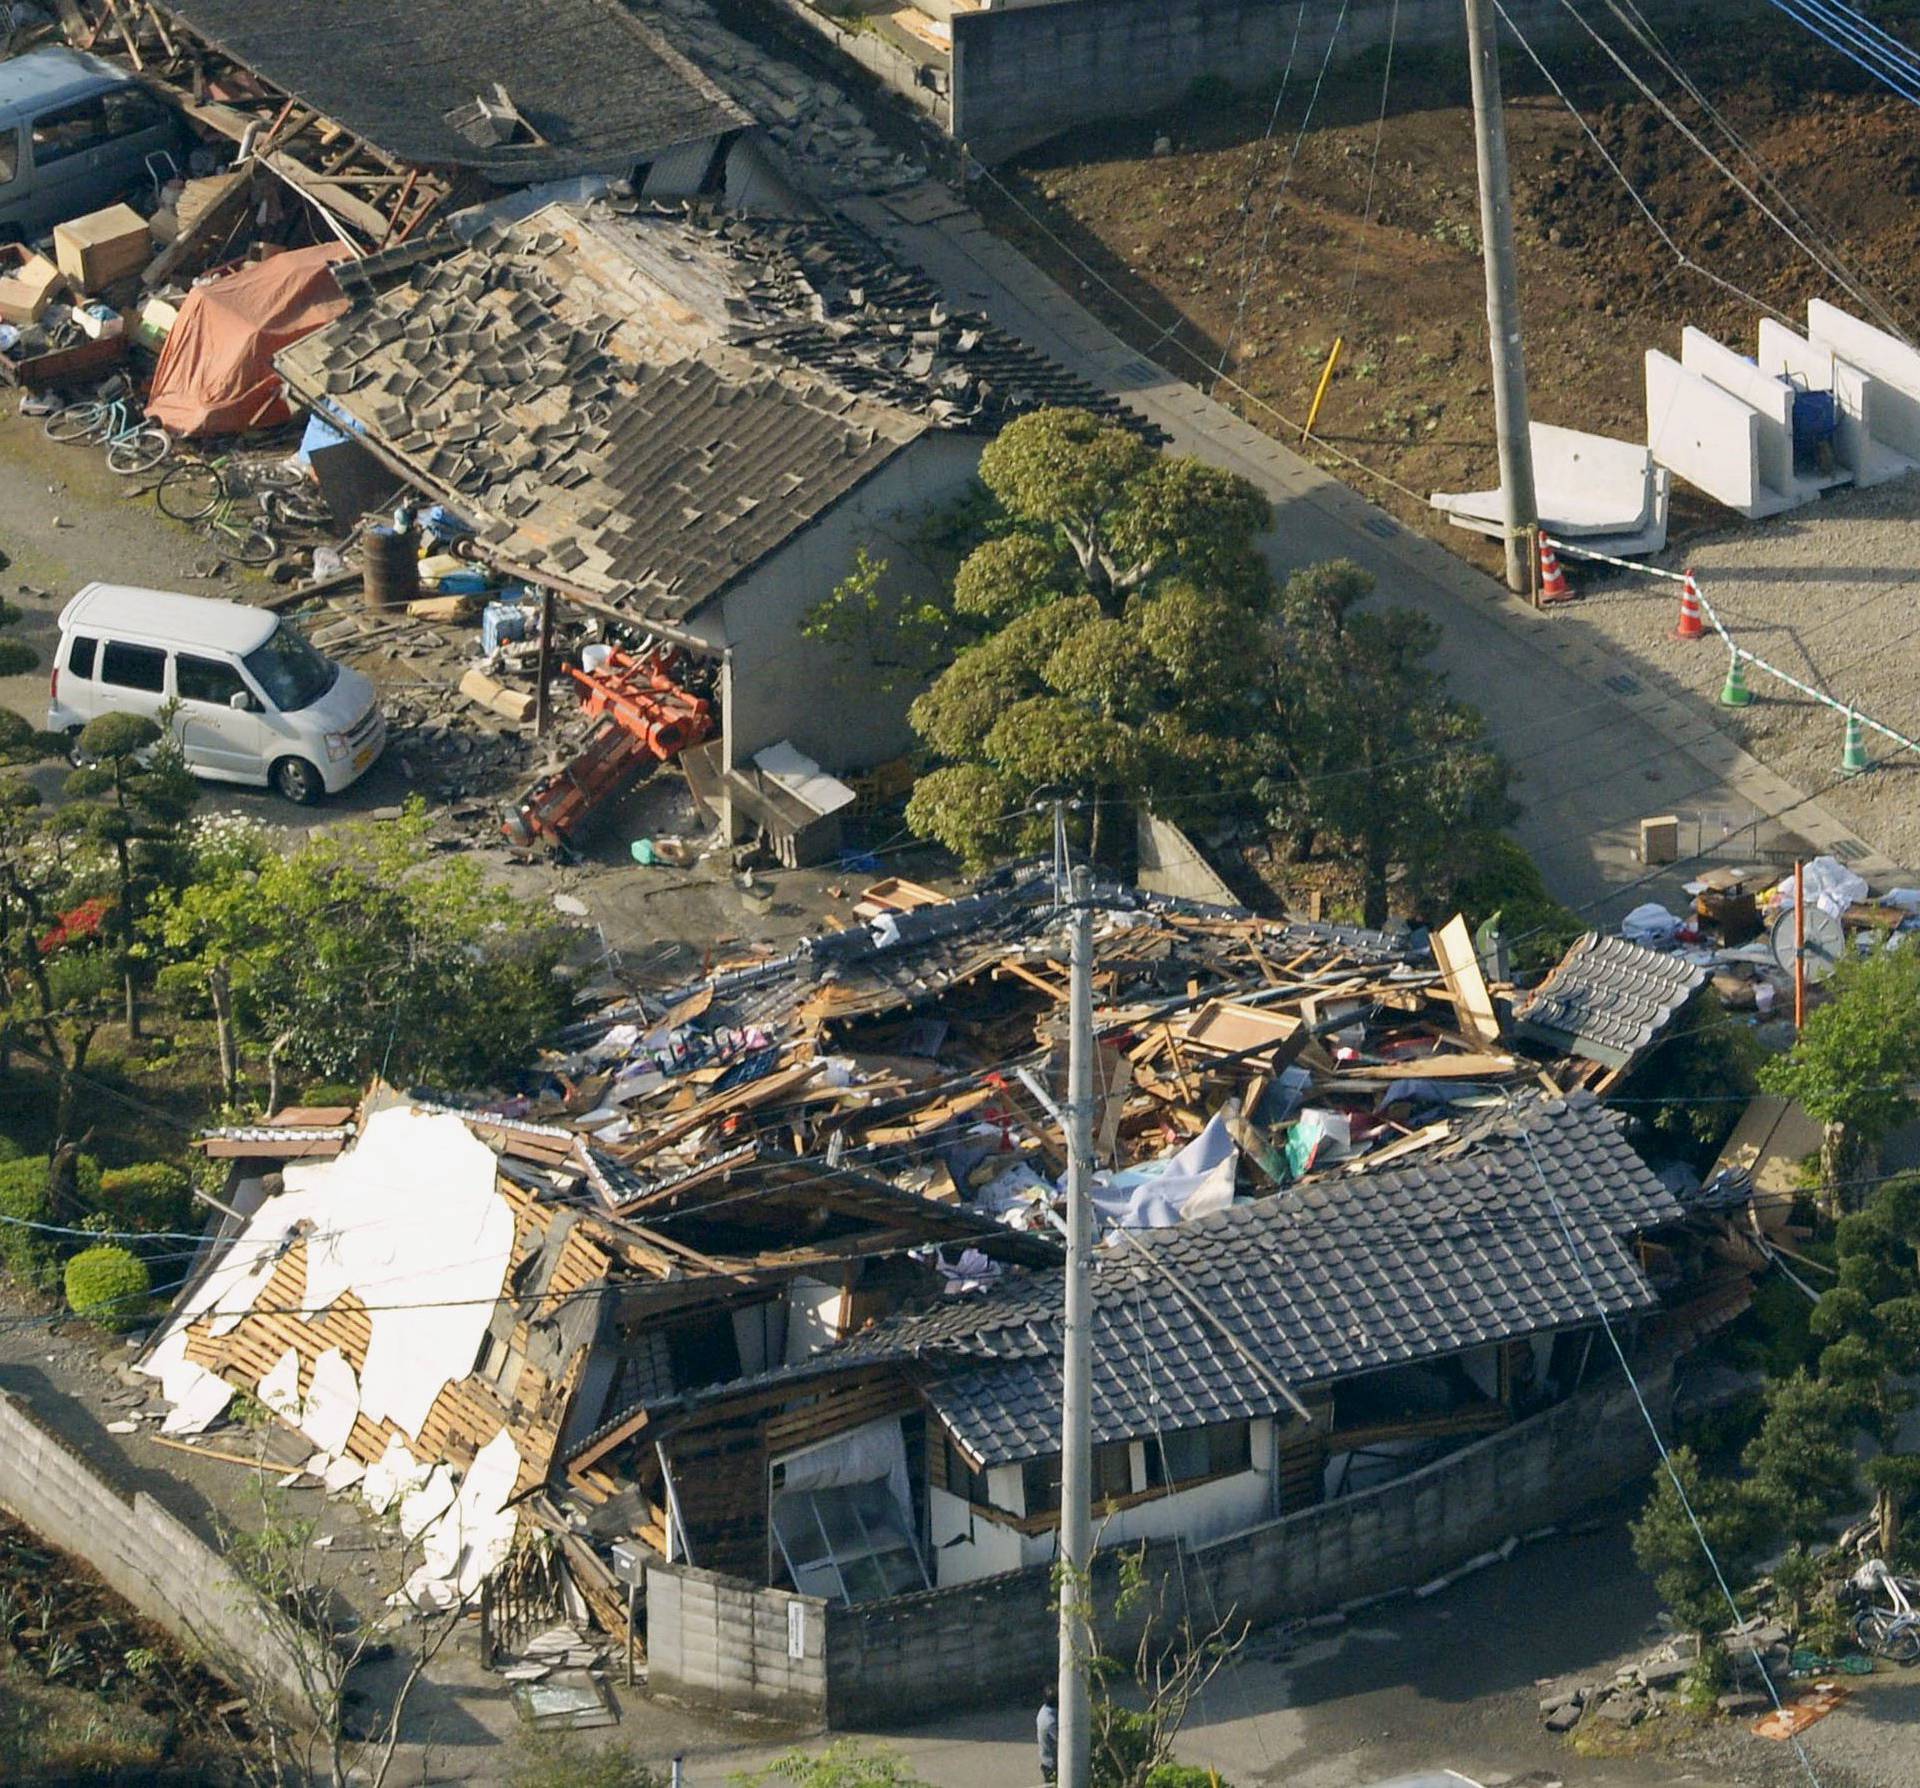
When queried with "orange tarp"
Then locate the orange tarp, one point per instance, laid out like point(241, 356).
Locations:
point(216, 375)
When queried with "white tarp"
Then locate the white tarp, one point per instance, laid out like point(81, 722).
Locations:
point(395, 1474)
point(1159, 1194)
point(1831, 886)
point(877, 1450)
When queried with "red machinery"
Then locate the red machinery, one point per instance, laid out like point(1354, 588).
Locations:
point(641, 717)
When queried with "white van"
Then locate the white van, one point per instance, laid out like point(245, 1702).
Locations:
point(255, 703)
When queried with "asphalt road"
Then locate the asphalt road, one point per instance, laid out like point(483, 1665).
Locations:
point(1593, 752)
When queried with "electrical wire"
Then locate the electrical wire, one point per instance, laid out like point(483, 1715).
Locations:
point(1260, 154)
point(1280, 193)
point(1660, 1445)
point(1373, 164)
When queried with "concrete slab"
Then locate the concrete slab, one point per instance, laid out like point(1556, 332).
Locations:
point(1584, 485)
point(1767, 395)
point(1890, 362)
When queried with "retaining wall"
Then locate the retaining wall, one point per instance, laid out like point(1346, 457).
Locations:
point(148, 1557)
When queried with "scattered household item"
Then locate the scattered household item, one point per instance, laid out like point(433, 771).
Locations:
point(1820, 950)
point(216, 374)
point(98, 322)
point(28, 284)
point(1830, 885)
point(392, 566)
point(102, 248)
point(502, 622)
point(1660, 839)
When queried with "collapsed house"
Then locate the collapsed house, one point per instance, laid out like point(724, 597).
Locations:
point(690, 427)
point(757, 1294)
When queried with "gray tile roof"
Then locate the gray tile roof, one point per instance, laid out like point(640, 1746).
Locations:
point(646, 406)
point(603, 90)
point(1608, 999)
point(1330, 1279)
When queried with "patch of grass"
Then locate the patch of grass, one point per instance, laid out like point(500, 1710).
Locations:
point(50, 1733)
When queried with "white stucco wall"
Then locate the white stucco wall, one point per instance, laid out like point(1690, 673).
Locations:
point(778, 685)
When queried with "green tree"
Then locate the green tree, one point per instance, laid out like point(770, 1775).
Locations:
point(1700, 1073)
point(1116, 618)
point(1667, 1547)
point(131, 797)
point(362, 952)
point(1801, 1466)
point(1852, 1063)
point(880, 628)
point(1371, 751)
point(1870, 1322)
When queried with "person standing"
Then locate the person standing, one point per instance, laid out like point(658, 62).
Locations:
point(1047, 1731)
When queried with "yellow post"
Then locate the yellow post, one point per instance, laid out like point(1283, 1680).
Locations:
point(1320, 396)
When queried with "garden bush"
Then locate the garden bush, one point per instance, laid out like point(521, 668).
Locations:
point(109, 1286)
point(149, 1195)
point(33, 1255)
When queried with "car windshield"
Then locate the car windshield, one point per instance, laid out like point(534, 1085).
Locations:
point(291, 672)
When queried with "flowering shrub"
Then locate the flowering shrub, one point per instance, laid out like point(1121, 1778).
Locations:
point(81, 925)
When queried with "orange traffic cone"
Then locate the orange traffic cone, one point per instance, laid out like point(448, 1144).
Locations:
point(1553, 581)
point(1693, 620)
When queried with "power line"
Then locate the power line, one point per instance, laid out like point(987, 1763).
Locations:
point(1660, 1445)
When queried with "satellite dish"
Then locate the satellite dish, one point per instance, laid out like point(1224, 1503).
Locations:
point(1826, 942)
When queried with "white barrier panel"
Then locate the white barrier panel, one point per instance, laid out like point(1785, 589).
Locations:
point(1708, 437)
point(1896, 367)
point(1858, 397)
point(1770, 399)
point(1586, 487)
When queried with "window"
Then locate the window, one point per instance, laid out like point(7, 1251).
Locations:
point(69, 130)
point(130, 110)
point(1196, 1453)
point(206, 680)
point(9, 156)
point(849, 1542)
point(134, 667)
point(1112, 1477)
point(80, 655)
point(292, 673)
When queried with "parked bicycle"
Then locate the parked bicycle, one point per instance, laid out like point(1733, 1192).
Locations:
point(133, 443)
point(1888, 1626)
point(239, 501)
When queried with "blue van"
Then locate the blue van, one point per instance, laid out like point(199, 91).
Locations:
point(76, 134)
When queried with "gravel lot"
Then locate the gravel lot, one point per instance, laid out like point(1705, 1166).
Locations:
point(1827, 593)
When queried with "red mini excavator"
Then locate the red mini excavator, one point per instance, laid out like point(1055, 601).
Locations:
point(641, 717)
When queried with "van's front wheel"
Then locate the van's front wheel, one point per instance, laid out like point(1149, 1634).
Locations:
point(296, 780)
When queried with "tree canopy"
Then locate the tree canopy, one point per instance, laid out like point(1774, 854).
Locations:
point(1112, 630)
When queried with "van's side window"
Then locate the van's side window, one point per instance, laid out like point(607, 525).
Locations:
point(69, 130)
point(134, 667)
point(9, 156)
point(80, 655)
point(130, 110)
point(205, 680)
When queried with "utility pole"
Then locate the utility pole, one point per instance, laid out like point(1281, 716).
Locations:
point(1520, 508)
point(1076, 1426)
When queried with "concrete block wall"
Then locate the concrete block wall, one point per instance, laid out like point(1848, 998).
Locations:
point(717, 1641)
point(147, 1556)
point(898, 1660)
point(1025, 73)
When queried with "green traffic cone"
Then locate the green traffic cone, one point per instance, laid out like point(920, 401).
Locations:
point(1734, 692)
point(1853, 753)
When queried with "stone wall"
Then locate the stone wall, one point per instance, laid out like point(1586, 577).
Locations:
point(148, 1557)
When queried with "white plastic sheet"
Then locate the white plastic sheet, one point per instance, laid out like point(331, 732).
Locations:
point(333, 1401)
point(1159, 1194)
point(877, 1450)
point(1831, 886)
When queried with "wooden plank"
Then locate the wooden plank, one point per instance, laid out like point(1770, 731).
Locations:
point(1460, 969)
point(1435, 1067)
point(222, 211)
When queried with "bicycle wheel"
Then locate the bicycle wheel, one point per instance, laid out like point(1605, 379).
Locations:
point(139, 451)
point(77, 422)
point(273, 474)
point(191, 490)
point(295, 509)
point(251, 546)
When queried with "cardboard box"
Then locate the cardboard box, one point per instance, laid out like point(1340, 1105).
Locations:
point(105, 246)
point(28, 284)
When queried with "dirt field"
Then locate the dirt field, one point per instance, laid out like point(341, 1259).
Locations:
point(1235, 249)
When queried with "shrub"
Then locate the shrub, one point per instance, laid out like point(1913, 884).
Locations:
point(1500, 878)
point(330, 1092)
point(109, 1286)
point(149, 1195)
point(566, 1760)
point(33, 1255)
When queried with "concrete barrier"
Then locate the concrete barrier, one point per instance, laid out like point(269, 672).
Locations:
point(1771, 400)
point(1856, 447)
point(1890, 362)
point(150, 1559)
point(1710, 438)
